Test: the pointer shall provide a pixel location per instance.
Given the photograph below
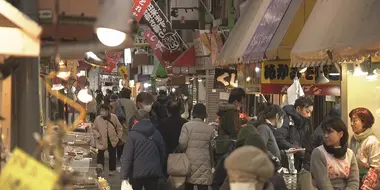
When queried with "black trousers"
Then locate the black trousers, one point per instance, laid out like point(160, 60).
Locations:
point(112, 156)
point(146, 183)
point(189, 186)
point(119, 151)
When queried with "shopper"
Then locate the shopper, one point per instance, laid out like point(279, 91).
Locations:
point(108, 132)
point(144, 152)
point(366, 146)
point(107, 97)
point(113, 103)
point(296, 131)
point(170, 128)
point(195, 142)
point(270, 120)
point(159, 107)
point(333, 165)
point(249, 168)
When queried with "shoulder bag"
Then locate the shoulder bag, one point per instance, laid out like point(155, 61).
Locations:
point(120, 142)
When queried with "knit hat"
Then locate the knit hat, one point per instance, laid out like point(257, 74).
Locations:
point(248, 164)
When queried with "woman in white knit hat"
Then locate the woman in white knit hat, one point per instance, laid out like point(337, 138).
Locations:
point(249, 168)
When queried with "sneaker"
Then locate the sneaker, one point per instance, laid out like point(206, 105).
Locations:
point(118, 169)
point(111, 173)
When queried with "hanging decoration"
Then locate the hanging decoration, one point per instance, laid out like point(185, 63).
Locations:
point(112, 59)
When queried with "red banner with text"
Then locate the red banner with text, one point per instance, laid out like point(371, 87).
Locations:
point(139, 8)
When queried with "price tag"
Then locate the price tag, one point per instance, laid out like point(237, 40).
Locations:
point(22, 172)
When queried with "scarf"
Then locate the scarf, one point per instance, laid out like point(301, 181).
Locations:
point(336, 152)
point(364, 135)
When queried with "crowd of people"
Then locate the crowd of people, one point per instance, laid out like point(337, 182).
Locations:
point(235, 152)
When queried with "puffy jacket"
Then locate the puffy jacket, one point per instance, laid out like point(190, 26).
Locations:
point(195, 141)
point(144, 153)
point(159, 108)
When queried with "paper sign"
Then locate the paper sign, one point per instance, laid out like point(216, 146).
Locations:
point(23, 172)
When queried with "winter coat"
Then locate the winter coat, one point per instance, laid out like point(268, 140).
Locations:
point(144, 152)
point(170, 129)
point(295, 133)
point(195, 142)
point(249, 135)
point(159, 107)
point(130, 110)
point(229, 120)
point(103, 130)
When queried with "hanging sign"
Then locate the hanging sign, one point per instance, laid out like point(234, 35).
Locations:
point(225, 78)
point(277, 76)
point(139, 8)
point(161, 27)
point(24, 172)
point(123, 71)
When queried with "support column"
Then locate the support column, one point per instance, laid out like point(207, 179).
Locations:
point(25, 96)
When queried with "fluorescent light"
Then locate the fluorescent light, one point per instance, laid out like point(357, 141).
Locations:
point(127, 56)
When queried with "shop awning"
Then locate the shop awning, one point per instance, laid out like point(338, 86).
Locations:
point(19, 35)
point(349, 29)
point(266, 33)
point(237, 42)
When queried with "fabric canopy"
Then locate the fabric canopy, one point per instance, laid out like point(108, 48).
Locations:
point(338, 30)
point(237, 42)
point(264, 32)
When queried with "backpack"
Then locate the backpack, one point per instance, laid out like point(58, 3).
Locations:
point(120, 112)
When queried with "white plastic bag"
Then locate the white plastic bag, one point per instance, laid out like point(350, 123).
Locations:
point(294, 91)
point(125, 185)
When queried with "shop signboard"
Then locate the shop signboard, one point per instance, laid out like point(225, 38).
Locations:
point(225, 78)
point(202, 43)
point(214, 46)
point(139, 8)
point(266, 29)
point(161, 27)
point(277, 76)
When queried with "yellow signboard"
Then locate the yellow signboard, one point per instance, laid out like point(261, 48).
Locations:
point(22, 172)
point(280, 72)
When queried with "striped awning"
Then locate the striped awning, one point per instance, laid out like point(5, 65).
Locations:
point(338, 30)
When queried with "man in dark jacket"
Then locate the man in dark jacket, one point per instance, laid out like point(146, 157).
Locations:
point(170, 128)
point(159, 107)
point(144, 155)
point(296, 131)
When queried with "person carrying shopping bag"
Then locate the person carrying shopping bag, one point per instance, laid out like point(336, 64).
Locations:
point(195, 141)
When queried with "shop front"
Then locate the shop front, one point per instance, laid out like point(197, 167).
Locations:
point(262, 38)
point(333, 37)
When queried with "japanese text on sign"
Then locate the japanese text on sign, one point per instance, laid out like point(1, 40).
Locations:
point(139, 8)
point(24, 173)
point(280, 73)
point(161, 27)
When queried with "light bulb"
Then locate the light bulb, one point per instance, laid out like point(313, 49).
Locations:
point(173, 90)
point(257, 69)
point(84, 96)
point(248, 79)
point(57, 87)
point(110, 37)
point(199, 80)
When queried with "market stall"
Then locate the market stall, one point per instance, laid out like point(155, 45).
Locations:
point(332, 36)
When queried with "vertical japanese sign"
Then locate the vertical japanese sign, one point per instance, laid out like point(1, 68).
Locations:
point(139, 8)
point(161, 27)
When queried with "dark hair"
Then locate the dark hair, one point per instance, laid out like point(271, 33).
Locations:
point(262, 107)
point(104, 106)
point(145, 97)
point(125, 93)
point(271, 112)
point(113, 97)
point(364, 115)
point(237, 94)
point(199, 111)
point(303, 102)
point(174, 108)
point(162, 92)
point(338, 125)
point(108, 91)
